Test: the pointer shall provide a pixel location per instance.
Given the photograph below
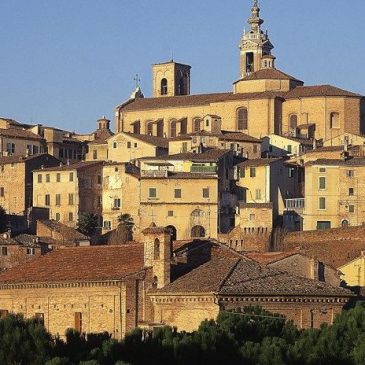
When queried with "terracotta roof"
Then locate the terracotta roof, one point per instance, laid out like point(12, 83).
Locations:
point(183, 176)
point(63, 229)
point(20, 159)
point(193, 100)
point(269, 74)
point(256, 205)
point(303, 141)
point(243, 277)
point(212, 155)
point(266, 258)
point(225, 136)
point(355, 161)
point(318, 90)
point(259, 162)
point(20, 133)
point(101, 136)
point(155, 141)
point(153, 229)
point(74, 166)
point(94, 263)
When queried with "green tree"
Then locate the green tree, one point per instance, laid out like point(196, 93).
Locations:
point(88, 223)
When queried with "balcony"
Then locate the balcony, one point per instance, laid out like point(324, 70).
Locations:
point(297, 204)
point(204, 169)
point(154, 173)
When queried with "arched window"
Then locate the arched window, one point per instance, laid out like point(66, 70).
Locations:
point(156, 249)
point(345, 223)
point(149, 129)
point(173, 129)
point(242, 119)
point(293, 121)
point(334, 120)
point(197, 125)
point(155, 282)
point(197, 213)
point(164, 88)
point(160, 128)
point(197, 232)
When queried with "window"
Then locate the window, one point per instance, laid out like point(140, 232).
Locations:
point(350, 173)
point(58, 199)
point(152, 193)
point(58, 217)
point(321, 225)
point(345, 223)
point(107, 225)
point(95, 154)
point(291, 172)
point(322, 169)
point(129, 144)
point(116, 203)
point(351, 191)
point(196, 124)
point(70, 199)
point(60, 153)
point(70, 217)
point(207, 123)
point(252, 217)
point(99, 179)
point(170, 213)
point(35, 150)
point(100, 201)
point(351, 208)
point(156, 251)
point(173, 129)
point(322, 203)
point(242, 119)
point(164, 88)
point(205, 192)
point(78, 322)
point(10, 147)
point(289, 149)
point(150, 129)
point(185, 147)
point(71, 176)
point(48, 178)
point(4, 251)
point(115, 144)
point(252, 172)
point(255, 148)
point(334, 120)
point(258, 194)
point(242, 171)
point(29, 149)
point(2, 192)
point(30, 251)
point(322, 183)
point(47, 200)
point(135, 145)
point(58, 177)
point(293, 121)
point(39, 178)
point(177, 193)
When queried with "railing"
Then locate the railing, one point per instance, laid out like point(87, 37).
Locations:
point(204, 169)
point(154, 173)
point(295, 204)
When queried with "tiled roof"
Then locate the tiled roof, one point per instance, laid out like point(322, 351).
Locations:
point(212, 155)
point(317, 90)
point(63, 229)
point(259, 162)
point(266, 258)
point(94, 263)
point(20, 159)
point(155, 141)
point(101, 136)
point(256, 205)
point(244, 277)
point(303, 141)
point(355, 161)
point(224, 136)
point(184, 176)
point(75, 166)
point(269, 74)
point(326, 149)
point(20, 133)
point(153, 229)
point(193, 100)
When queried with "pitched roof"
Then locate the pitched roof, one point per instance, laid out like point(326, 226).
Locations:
point(269, 74)
point(256, 205)
point(101, 136)
point(266, 258)
point(20, 159)
point(79, 264)
point(259, 162)
point(63, 229)
point(20, 133)
point(318, 90)
point(225, 136)
point(183, 176)
point(193, 100)
point(153, 140)
point(355, 161)
point(74, 166)
point(241, 276)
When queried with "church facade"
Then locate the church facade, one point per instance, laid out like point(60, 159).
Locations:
point(264, 100)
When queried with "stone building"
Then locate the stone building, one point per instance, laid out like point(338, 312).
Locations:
point(69, 190)
point(264, 100)
point(16, 180)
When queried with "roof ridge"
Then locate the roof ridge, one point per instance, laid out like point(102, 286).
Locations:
point(221, 284)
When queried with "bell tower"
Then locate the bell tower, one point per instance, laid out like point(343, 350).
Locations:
point(255, 46)
point(170, 79)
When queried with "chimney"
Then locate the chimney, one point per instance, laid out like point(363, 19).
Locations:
point(314, 144)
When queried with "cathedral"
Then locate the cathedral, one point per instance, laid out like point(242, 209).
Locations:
point(263, 101)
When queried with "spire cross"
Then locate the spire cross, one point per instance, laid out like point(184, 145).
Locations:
point(137, 80)
point(256, 3)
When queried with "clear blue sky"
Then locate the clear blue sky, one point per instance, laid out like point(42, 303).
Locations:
point(67, 62)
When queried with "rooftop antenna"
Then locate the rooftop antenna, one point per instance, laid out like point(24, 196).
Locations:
point(137, 80)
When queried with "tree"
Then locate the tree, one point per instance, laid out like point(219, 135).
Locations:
point(88, 223)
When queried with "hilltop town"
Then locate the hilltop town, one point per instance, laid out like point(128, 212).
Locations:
point(191, 205)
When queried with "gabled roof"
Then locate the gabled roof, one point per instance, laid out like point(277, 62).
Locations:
point(74, 166)
point(153, 140)
point(20, 133)
point(356, 161)
point(79, 264)
point(21, 159)
point(259, 162)
point(269, 74)
point(63, 229)
point(318, 90)
point(243, 277)
point(193, 100)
